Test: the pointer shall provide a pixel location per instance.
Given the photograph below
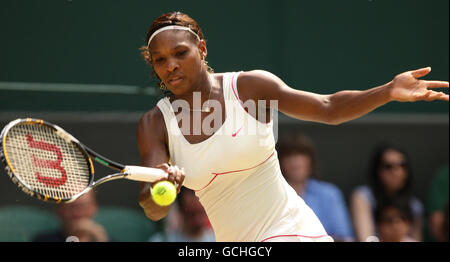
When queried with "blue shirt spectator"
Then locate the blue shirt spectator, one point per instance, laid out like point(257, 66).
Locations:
point(298, 166)
point(327, 201)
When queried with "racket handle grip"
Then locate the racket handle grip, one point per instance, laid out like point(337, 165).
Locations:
point(144, 174)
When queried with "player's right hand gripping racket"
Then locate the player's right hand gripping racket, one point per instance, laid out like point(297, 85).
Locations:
point(48, 163)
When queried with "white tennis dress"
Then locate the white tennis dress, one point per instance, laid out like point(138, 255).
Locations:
point(236, 176)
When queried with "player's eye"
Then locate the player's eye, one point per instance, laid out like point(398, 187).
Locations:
point(180, 53)
point(159, 60)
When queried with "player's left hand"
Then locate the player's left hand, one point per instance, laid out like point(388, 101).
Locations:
point(406, 87)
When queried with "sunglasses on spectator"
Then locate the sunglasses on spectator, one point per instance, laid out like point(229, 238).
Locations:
point(390, 166)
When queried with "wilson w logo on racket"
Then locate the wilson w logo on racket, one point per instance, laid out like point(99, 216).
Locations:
point(54, 164)
point(48, 163)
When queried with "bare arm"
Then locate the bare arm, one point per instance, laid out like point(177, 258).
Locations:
point(153, 153)
point(362, 217)
point(435, 222)
point(417, 227)
point(342, 106)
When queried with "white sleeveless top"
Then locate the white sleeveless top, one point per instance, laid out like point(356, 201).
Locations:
point(236, 176)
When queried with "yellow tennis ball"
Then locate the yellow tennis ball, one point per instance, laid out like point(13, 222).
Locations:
point(164, 193)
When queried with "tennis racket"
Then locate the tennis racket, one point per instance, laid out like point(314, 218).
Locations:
point(48, 163)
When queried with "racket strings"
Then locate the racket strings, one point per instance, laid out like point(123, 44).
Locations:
point(45, 162)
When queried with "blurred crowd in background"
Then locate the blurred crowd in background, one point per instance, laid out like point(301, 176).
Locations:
point(382, 210)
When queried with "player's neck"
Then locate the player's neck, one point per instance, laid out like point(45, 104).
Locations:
point(204, 86)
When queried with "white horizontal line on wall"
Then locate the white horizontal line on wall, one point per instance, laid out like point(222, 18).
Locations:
point(123, 117)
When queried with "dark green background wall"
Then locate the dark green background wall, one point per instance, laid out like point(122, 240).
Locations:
point(320, 46)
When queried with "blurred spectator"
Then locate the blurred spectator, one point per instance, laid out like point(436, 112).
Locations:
point(86, 230)
point(77, 222)
point(390, 178)
point(393, 219)
point(446, 224)
point(297, 158)
point(435, 205)
point(187, 221)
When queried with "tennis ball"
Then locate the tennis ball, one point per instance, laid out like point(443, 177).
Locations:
point(164, 193)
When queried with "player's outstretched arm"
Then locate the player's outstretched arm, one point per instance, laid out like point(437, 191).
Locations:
point(407, 87)
point(342, 106)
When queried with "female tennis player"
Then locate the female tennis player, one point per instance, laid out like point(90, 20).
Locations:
point(234, 169)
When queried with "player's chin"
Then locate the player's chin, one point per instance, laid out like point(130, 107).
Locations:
point(178, 88)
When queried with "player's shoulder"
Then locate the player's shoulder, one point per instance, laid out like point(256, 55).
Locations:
point(257, 84)
point(151, 118)
point(152, 124)
point(256, 76)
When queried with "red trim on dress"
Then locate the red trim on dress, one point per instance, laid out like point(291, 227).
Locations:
point(294, 236)
point(235, 93)
point(207, 184)
point(234, 171)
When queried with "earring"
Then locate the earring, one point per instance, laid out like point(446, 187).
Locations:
point(162, 86)
point(209, 69)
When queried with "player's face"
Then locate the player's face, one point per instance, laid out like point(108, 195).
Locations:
point(177, 59)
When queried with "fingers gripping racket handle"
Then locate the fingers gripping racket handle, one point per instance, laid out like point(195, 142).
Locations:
point(144, 174)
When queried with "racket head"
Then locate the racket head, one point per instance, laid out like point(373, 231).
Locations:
point(45, 161)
